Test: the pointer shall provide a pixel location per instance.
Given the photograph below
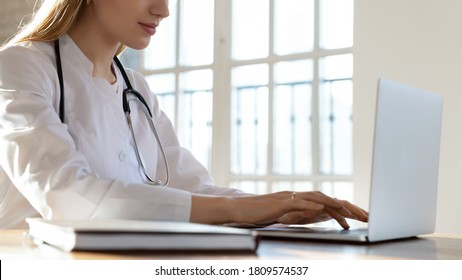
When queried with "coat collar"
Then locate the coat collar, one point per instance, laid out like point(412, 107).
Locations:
point(72, 52)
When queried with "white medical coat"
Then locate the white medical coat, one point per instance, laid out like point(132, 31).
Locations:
point(85, 168)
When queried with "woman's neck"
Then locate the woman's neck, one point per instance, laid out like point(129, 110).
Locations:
point(95, 44)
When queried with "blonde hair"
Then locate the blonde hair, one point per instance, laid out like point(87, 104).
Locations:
point(50, 20)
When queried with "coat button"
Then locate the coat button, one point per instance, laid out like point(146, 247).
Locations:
point(122, 156)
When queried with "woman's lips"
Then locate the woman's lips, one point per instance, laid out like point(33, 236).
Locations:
point(148, 28)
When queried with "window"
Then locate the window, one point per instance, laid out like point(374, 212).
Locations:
point(260, 91)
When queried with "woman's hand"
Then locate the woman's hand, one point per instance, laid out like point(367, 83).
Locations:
point(332, 209)
point(339, 213)
point(280, 207)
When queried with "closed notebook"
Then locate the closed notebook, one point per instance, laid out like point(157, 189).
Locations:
point(105, 234)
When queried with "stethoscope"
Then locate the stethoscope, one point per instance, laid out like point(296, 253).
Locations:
point(139, 100)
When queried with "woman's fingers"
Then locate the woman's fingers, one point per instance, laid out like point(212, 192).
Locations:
point(295, 204)
point(298, 210)
point(301, 207)
point(292, 218)
point(341, 207)
point(320, 198)
point(263, 210)
point(304, 217)
point(338, 217)
point(357, 212)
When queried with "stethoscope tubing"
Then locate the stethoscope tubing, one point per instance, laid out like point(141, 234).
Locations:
point(126, 107)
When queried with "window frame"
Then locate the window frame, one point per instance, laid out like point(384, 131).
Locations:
point(222, 65)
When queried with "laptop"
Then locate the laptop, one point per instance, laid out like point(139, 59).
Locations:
point(405, 167)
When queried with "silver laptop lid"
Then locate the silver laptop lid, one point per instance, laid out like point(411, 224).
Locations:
point(405, 162)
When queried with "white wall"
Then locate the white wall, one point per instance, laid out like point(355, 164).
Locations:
point(418, 42)
point(11, 14)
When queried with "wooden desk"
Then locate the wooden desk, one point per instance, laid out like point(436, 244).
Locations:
point(15, 245)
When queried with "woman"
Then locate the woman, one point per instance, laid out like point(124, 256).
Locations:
point(66, 150)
